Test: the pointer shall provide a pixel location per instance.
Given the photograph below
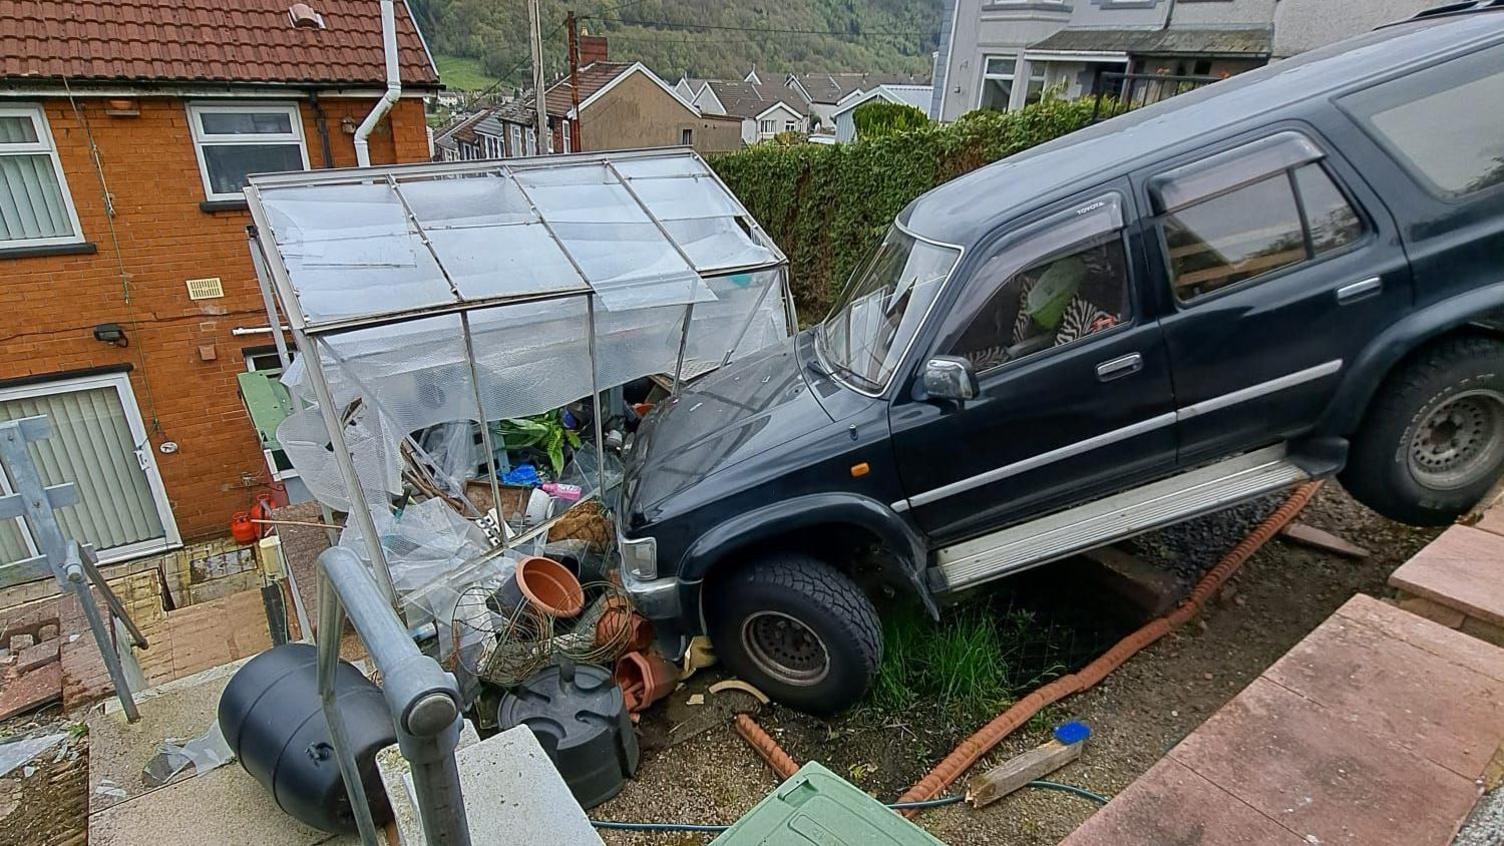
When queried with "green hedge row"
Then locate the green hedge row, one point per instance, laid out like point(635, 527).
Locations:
point(827, 205)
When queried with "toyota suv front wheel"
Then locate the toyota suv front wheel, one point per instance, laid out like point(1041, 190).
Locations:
point(799, 630)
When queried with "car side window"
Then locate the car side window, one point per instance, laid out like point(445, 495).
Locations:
point(1444, 123)
point(1276, 222)
point(1074, 293)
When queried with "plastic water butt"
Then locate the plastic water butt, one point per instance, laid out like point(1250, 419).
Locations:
point(581, 721)
point(273, 721)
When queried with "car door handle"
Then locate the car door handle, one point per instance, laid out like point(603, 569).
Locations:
point(1358, 290)
point(1119, 367)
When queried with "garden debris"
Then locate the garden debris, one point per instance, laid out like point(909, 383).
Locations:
point(19, 752)
point(1038, 762)
point(739, 685)
point(203, 753)
point(765, 746)
point(1325, 541)
point(699, 655)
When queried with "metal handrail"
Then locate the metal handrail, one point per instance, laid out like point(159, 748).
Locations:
point(423, 699)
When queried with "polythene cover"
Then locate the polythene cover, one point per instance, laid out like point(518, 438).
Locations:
point(641, 232)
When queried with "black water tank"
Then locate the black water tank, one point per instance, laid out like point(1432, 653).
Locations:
point(274, 723)
point(581, 721)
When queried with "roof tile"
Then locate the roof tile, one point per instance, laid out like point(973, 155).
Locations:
point(248, 41)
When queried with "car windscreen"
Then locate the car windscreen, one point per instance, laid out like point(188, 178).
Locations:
point(882, 308)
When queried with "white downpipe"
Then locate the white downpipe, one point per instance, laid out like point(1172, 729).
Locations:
point(393, 85)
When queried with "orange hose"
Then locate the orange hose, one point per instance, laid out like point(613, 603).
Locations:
point(765, 746)
point(973, 748)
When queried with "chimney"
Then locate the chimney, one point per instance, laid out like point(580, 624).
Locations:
point(592, 49)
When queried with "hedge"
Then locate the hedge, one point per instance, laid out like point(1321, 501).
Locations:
point(880, 117)
point(827, 205)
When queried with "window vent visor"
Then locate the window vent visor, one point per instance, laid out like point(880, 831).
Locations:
point(1184, 186)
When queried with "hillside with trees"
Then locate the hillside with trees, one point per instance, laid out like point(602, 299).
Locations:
point(706, 38)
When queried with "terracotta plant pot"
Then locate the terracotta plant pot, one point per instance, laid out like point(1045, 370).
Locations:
point(622, 628)
point(550, 587)
point(644, 678)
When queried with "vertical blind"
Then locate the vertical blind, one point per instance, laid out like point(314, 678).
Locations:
point(91, 446)
point(31, 199)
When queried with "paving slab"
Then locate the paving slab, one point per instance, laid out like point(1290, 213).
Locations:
point(1442, 711)
point(119, 750)
point(1463, 568)
point(1170, 804)
point(28, 691)
point(1440, 641)
point(225, 806)
point(1322, 775)
point(1492, 519)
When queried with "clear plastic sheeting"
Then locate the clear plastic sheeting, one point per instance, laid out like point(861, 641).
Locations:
point(431, 301)
point(638, 229)
point(203, 753)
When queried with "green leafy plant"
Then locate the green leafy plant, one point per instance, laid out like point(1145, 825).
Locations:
point(880, 117)
point(827, 205)
point(543, 432)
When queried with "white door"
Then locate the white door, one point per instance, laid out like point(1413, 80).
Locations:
point(98, 443)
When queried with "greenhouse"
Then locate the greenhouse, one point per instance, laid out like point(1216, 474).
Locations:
point(445, 314)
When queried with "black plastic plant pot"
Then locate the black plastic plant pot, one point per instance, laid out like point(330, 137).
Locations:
point(581, 721)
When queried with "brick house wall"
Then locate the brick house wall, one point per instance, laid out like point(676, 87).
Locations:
point(182, 356)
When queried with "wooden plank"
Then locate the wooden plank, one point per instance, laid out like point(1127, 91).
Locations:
point(1322, 540)
point(1017, 772)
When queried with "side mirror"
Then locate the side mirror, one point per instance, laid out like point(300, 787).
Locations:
point(949, 377)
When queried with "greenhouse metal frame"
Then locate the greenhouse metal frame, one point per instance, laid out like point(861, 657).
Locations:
point(375, 268)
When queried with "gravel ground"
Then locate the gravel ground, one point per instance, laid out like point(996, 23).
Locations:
point(1486, 826)
point(1137, 715)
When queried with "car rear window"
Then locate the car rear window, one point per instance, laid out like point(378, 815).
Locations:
point(1265, 226)
point(1445, 124)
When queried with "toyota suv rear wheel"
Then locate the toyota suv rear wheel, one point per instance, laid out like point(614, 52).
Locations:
point(799, 630)
point(1433, 441)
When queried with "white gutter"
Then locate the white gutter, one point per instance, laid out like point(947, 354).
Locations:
point(393, 84)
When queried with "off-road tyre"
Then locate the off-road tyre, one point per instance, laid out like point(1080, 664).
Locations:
point(1400, 459)
point(744, 617)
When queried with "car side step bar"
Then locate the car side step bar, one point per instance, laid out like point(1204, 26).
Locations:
point(1114, 518)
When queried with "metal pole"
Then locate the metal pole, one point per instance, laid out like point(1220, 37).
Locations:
point(335, 429)
point(485, 429)
point(535, 37)
point(595, 395)
point(273, 319)
point(331, 625)
point(689, 313)
point(424, 701)
point(756, 307)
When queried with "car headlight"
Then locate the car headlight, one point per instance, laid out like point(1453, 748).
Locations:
point(640, 557)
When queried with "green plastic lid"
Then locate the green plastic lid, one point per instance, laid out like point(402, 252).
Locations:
point(816, 807)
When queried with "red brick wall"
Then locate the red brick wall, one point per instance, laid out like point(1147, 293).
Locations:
point(49, 305)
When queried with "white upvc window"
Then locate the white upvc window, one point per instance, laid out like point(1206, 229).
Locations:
point(235, 140)
point(35, 207)
point(493, 147)
point(767, 126)
point(516, 135)
point(997, 82)
point(790, 126)
point(566, 135)
point(532, 141)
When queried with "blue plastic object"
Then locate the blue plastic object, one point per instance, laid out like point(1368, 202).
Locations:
point(1072, 733)
point(523, 475)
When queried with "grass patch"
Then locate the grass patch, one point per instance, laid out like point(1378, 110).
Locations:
point(462, 73)
point(961, 665)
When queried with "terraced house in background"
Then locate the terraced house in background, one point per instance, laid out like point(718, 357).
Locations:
point(130, 307)
point(1004, 54)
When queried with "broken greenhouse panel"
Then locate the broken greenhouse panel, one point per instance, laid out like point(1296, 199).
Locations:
point(459, 320)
